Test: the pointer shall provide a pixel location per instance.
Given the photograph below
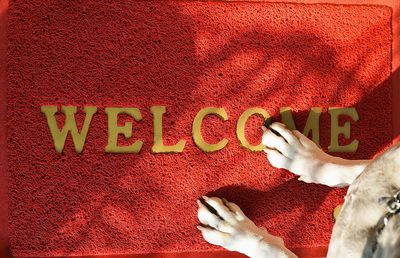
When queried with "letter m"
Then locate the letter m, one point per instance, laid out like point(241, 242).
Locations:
point(59, 136)
point(312, 124)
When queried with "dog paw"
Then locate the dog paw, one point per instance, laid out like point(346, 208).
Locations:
point(298, 154)
point(227, 226)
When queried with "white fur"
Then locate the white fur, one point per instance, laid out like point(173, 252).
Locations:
point(235, 232)
point(355, 226)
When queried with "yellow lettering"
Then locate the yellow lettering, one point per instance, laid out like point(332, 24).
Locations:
point(114, 130)
point(196, 129)
point(312, 123)
point(336, 130)
point(158, 146)
point(58, 136)
point(241, 124)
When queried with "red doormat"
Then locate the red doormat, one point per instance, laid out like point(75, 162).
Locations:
point(184, 56)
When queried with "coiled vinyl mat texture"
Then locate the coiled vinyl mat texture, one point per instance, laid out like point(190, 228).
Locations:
point(185, 56)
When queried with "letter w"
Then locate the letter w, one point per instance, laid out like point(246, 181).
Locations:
point(58, 136)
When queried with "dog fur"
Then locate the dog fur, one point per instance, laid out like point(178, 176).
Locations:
point(354, 233)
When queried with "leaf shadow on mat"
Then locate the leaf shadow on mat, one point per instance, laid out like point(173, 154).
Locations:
point(124, 203)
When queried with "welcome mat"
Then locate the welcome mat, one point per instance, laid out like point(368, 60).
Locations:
point(160, 103)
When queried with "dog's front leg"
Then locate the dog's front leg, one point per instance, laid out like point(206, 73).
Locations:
point(293, 151)
point(230, 228)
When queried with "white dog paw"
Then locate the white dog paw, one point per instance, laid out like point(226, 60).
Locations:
point(229, 227)
point(298, 154)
